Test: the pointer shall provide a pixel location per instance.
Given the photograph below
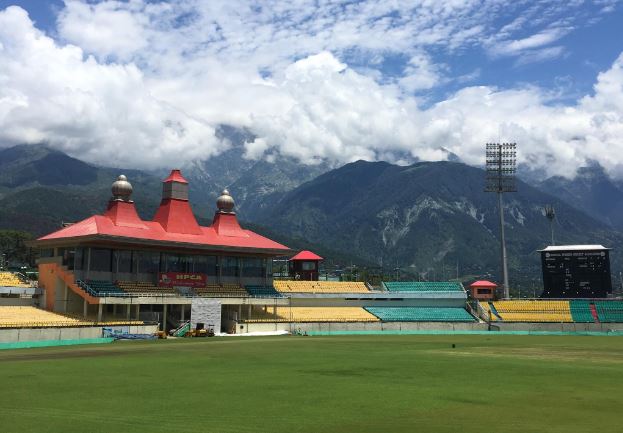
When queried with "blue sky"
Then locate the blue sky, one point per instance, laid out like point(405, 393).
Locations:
point(315, 80)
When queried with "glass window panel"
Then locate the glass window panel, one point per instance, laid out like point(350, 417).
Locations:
point(101, 259)
point(230, 267)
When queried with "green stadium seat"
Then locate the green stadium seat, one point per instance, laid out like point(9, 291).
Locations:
point(421, 314)
point(609, 311)
point(581, 311)
point(424, 286)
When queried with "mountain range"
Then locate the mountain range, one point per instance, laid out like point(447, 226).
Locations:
point(431, 220)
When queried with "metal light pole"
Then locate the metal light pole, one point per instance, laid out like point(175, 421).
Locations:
point(500, 178)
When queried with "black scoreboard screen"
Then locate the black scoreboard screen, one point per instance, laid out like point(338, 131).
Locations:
point(576, 273)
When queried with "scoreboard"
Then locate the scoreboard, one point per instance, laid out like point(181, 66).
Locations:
point(576, 271)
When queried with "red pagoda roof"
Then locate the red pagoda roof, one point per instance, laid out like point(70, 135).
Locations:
point(174, 222)
point(175, 176)
point(306, 255)
point(483, 283)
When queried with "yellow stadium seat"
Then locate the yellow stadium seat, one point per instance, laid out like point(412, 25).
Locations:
point(9, 279)
point(291, 286)
point(31, 317)
point(313, 314)
point(534, 311)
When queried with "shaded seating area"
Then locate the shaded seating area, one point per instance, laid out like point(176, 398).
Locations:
point(144, 287)
point(609, 311)
point(533, 311)
point(221, 290)
point(421, 314)
point(9, 279)
point(100, 288)
point(423, 286)
point(293, 286)
point(312, 314)
point(31, 317)
point(263, 291)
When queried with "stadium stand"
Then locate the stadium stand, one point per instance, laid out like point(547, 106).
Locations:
point(31, 317)
point(144, 287)
point(9, 279)
point(314, 314)
point(533, 311)
point(100, 288)
point(421, 314)
point(263, 292)
point(487, 308)
point(423, 286)
point(609, 311)
point(221, 290)
point(581, 311)
point(290, 286)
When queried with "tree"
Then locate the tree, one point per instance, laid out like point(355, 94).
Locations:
point(13, 248)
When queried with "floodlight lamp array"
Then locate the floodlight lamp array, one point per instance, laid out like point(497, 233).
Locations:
point(501, 163)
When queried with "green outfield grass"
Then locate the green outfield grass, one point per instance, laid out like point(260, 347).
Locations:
point(318, 384)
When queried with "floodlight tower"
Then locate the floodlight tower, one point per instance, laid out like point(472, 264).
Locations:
point(550, 214)
point(500, 178)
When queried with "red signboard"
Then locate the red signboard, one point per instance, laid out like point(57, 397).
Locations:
point(174, 279)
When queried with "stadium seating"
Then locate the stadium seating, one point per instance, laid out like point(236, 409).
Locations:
point(534, 311)
point(290, 286)
point(423, 286)
point(487, 308)
point(31, 317)
point(221, 291)
point(315, 314)
point(9, 279)
point(100, 288)
point(263, 291)
point(421, 314)
point(144, 287)
point(581, 311)
point(609, 311)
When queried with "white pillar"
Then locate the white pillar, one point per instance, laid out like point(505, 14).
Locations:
point(84, 308)
point(99, 312)
point(182, 313)
point(127, 311)
point(164, 317)
point(138, 310)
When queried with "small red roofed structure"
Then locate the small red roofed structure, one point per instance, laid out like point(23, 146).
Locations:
point(483, 290)
point(304, 266)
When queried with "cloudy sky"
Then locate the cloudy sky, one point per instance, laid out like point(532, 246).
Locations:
point(146, 83)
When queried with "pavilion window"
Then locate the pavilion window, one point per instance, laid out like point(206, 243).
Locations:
point(268, 264)
point(147, 262)
point(101, 260)
point(230, 267)
point(122, 261)
point(79, 259)
point(252, 267)
point(204, 265)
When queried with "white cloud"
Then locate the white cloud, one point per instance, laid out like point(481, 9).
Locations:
point(146, 84)
point(101, 112)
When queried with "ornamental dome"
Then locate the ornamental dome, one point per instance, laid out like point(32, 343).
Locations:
point(121, 189)
point(225, 203)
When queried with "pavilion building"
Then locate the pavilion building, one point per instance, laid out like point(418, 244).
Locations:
point(108, 259)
